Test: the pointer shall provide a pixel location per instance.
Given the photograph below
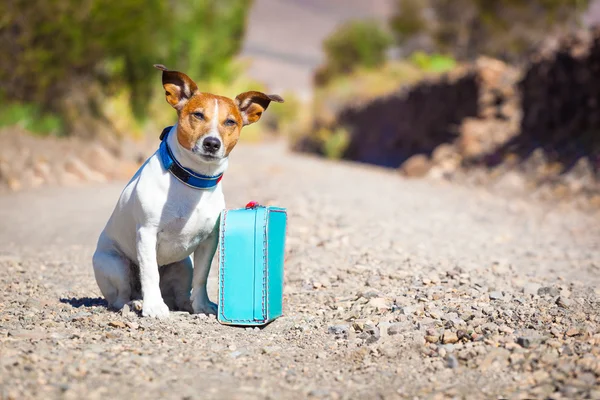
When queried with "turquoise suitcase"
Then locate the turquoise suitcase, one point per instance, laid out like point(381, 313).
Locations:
point(251, 254)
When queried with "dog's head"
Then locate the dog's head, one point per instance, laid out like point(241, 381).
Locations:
point(209, 126)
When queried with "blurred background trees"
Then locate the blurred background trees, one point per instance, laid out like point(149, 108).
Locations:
point(354, 44)
point(55, 51)
point(506, 29)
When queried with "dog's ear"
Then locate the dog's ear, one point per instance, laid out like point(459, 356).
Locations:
point(178, 87)
point(252, 105)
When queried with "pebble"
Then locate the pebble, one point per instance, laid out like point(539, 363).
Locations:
point(338, 329)
point(572, 332)
point(432, 338)
point(528, 341)
point(449, 337)
point(548, 291)
point(564, 302)
point(495, 296)
point(117, 324)
point(452, 361)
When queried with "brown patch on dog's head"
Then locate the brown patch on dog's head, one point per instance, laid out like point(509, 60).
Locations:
point(198, 114)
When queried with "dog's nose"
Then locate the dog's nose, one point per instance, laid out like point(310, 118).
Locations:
point(211, 144)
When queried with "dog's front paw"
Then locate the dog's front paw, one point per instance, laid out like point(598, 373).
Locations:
point(155, 309)
point(204, 306)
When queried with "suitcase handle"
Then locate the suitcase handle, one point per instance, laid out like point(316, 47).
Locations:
point(252, 204)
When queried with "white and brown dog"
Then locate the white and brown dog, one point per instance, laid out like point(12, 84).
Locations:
point(169, 209)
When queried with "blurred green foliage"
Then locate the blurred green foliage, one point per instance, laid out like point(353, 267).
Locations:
point(506, 29)
point(335, 143)
point(280, 117)
point(30, 118)
point(432, 62)
point(54, 48)
point(355, 44)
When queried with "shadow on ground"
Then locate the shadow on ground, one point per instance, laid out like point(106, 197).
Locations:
point(85, 302)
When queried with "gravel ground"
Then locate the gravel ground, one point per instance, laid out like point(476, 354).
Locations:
point(394, 289)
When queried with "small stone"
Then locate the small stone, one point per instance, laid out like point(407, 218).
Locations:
point(432, 338)
point(132, 325)
point(270, 350)
point(548, 291)
point(395, 329)
point(572, 332)
point(563, 302)
point(505, 329)
point(449, 337)
point(338, 330)
point(117, 324)
point(516, 358)
point(452, 362)
point(527, 341)
point(373, 333)
point(495, 295)
point(380, 303)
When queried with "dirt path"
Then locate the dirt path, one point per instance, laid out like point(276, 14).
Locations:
point(394, 289)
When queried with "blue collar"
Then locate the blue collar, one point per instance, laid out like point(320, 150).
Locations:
point(185, 175)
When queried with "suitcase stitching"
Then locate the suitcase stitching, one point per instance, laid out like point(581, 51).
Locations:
point(222, 270)
point(265, 302)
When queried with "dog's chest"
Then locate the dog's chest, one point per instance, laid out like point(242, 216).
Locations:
point(184, 225)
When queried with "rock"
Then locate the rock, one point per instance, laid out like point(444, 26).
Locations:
point(380, 304)
point(396, 329)
point(495, 295)
point(452, 361)
point(416, 166)
point(528, 341)
point(373, 333)
point(125, 310)
point(548, 291)
point(432, 338)
point(572, 332)
point(101, 160)
point(563, 302)
point(132, 325)
point(76, 167)
point(42, 170)
point(449, 337)
point(511, 183)
point(117, 324)
point(339, 330)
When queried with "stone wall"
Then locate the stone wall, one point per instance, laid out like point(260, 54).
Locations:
point(389, 130)
point(560, 93)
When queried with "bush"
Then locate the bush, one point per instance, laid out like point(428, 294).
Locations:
point(506, 29)
point(63, 46)
point(30, 118)
point(432, 62)
point(355, 44)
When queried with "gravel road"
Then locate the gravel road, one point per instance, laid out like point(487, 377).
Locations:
point(394, 289)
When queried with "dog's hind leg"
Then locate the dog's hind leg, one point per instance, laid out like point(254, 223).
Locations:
point(176, 284)
point(112, 272)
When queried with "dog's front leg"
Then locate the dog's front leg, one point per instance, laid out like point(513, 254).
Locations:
point(202, 259)
point(153, 306)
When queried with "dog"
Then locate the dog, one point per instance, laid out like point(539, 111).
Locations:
point(168, 213)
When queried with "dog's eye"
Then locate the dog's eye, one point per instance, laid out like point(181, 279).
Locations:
point(198, 115)
point(230, 122)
